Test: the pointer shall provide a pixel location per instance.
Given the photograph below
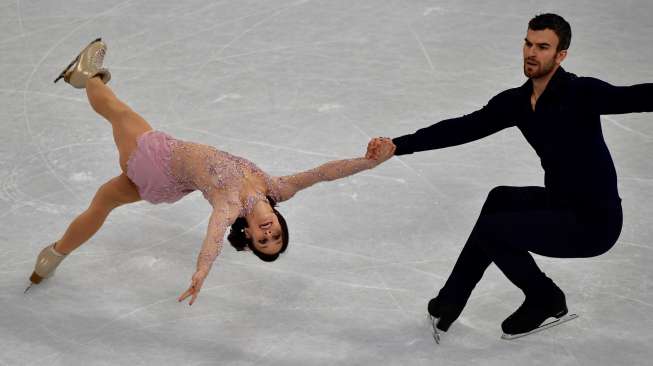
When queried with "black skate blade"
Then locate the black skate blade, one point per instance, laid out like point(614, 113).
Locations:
point(551, 324)
point(434, 329)
point(61, 75)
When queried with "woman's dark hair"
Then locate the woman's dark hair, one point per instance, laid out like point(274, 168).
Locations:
point(557, 24)
point(239, 241)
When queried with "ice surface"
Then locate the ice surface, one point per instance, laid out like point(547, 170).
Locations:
point(289, 85)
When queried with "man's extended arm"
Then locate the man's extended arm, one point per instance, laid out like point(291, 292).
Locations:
point(605, 98)
point(494, 117)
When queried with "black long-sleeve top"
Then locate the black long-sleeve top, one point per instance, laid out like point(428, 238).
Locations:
point(564, 129)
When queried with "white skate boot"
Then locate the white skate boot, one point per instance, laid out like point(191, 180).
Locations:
point(46, 264)
point(86, 65)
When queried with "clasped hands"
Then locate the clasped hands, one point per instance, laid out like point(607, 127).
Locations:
point(380, 149)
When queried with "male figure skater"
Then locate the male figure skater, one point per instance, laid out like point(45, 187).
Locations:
point(578, 211)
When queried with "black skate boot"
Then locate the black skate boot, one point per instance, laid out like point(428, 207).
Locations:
point(530, 317)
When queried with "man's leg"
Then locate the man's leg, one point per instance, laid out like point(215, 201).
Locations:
point(507, 237)
point(473, 259)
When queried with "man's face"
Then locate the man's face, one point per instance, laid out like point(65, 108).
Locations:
point(540, 55)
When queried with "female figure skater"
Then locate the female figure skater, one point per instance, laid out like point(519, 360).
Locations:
point(159, 168)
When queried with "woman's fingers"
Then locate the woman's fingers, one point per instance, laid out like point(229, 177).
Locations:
point(191, 291)
point(195, 286)
point(184, 296)
point(192, 299)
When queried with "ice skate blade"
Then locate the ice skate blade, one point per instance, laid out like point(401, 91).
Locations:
point(63, 73)
point(434, 329)
point(562, 319)
point(34, 279)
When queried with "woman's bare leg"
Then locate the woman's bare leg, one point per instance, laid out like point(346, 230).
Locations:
point(114, 193)
point(127, 125)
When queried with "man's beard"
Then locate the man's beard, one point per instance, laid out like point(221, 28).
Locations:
point(539, 70)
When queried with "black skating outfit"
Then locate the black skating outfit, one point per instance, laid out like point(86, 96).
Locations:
point(578, 211)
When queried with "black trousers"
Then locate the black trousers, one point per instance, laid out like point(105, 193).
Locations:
point(517, 220)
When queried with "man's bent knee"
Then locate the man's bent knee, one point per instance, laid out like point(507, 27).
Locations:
point(494, 199)
point(499, 191)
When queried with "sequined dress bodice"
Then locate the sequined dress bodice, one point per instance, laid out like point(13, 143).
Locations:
point(202, 167)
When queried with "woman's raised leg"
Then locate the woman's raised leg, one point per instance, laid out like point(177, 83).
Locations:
point(127, 125)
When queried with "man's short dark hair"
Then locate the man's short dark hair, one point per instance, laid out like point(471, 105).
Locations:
point(557, 24)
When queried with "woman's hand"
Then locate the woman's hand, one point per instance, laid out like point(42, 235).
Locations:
point(380, 149)
point(195, 286)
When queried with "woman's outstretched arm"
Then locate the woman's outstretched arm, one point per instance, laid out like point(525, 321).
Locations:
point(224, 214)
point(287, 186)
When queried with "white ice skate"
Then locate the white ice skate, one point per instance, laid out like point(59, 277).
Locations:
point(86, 65)
point(545, 325)
point(46, 263)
